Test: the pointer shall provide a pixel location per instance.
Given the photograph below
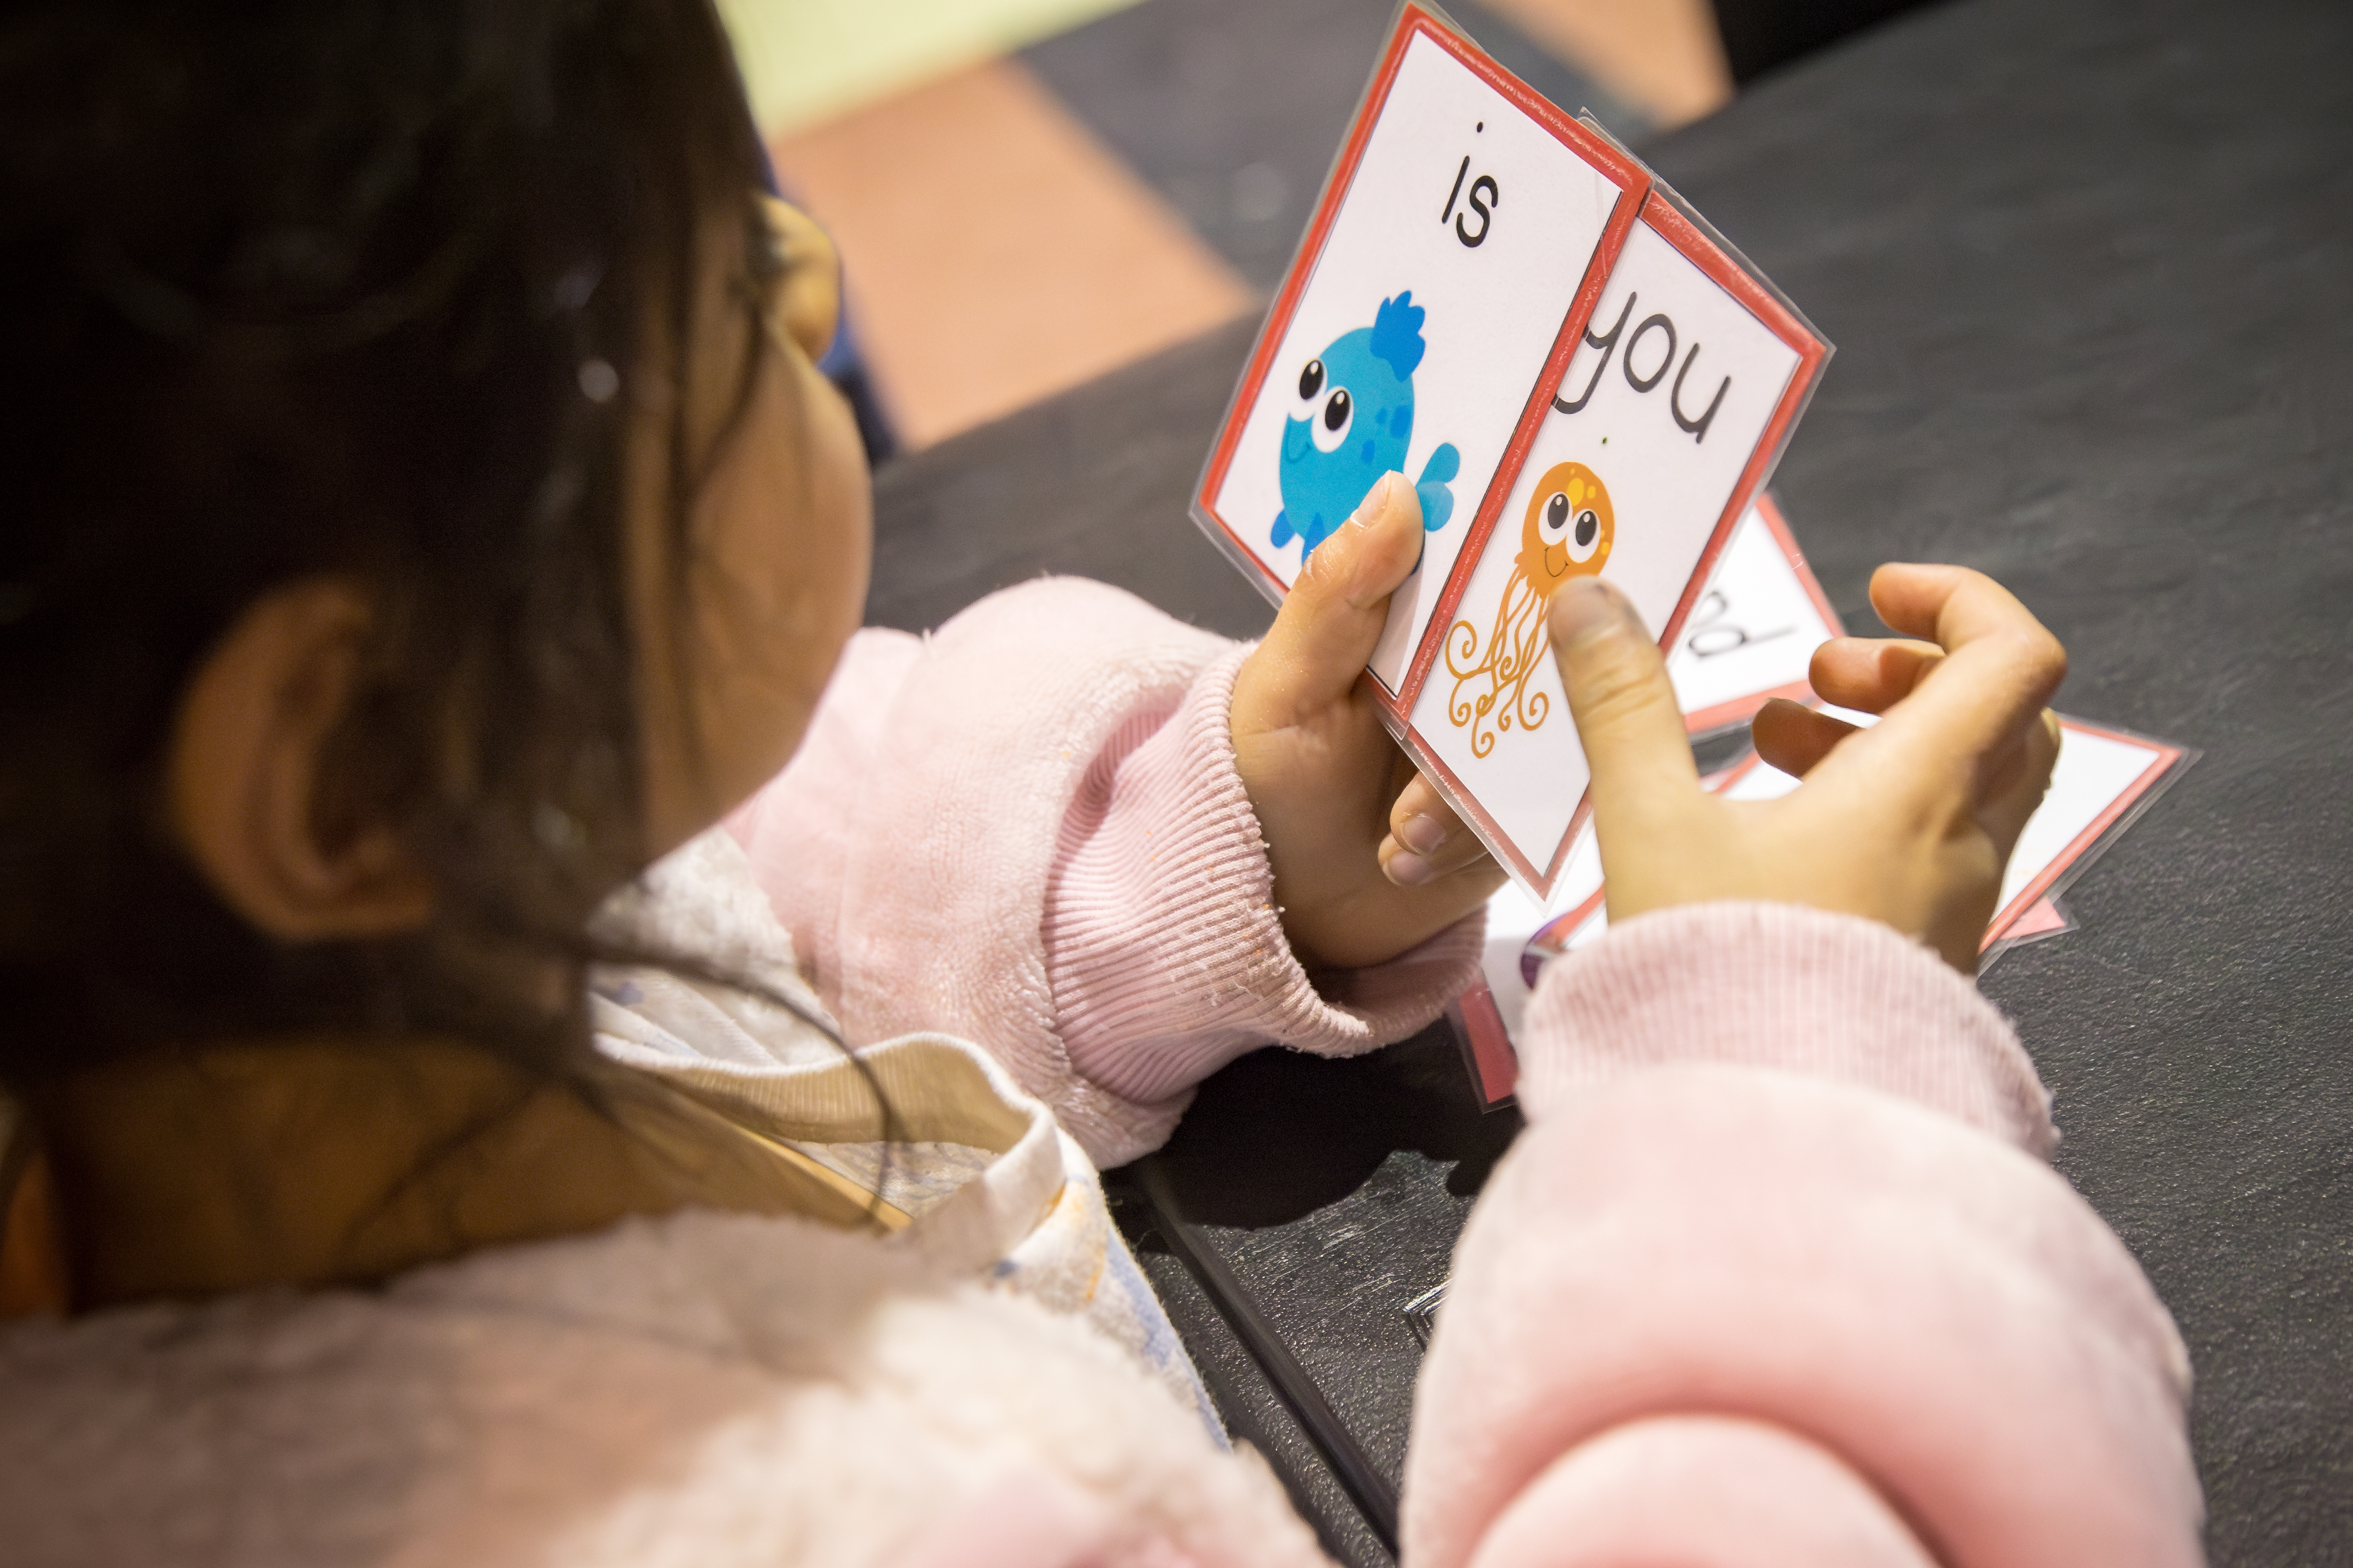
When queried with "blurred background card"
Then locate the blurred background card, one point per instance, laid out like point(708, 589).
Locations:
point(1753, 634)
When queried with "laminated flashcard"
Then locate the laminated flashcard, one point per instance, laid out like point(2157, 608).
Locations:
point(1513, 919)
point(1682, 390)
point(1450, 264)
point(2105, 778)
point(1752, 635)
point(1577, 376)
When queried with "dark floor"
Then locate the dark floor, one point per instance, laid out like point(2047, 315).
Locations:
point(2090, 268)
point(1233, 108)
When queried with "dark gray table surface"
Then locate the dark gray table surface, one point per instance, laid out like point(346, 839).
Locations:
point(2089, 268)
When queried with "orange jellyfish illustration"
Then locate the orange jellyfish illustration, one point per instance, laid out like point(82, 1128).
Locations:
point(1567, 534)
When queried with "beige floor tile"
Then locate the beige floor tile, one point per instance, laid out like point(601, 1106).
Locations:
point(806, 61)
point(1663, 55)
point(995, 252)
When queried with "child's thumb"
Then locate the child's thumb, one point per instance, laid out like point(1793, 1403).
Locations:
point(1333, 618)
point(1627, 719)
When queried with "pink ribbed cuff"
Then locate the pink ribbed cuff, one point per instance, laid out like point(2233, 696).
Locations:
point(1780, 985)
point(1163, 944)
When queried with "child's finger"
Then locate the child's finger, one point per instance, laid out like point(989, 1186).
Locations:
point(1327, 626)
point(1624, 704)
point(1793, 737)
point(1870, 675)
point(1426, 839)
point(1999, 670)
point(1951, 605)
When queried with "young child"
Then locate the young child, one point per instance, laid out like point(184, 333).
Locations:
point(437, 1137)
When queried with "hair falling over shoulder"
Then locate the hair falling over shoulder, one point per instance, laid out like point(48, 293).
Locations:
point(351, 288)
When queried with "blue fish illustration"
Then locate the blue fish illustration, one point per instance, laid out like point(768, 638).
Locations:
point(1355, 420)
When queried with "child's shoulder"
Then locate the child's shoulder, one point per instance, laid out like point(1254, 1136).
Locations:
point(709, 1368)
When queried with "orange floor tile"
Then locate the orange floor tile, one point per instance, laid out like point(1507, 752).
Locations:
point(994, 252)
point(1663, 55)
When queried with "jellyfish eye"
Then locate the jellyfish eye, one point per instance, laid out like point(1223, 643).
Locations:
point(1310, 380)
point(1331, 424)
point(1587, 537)
point(1556, 518)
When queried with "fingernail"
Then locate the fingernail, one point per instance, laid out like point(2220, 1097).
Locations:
point(1376, 499)
point(1407, 869)
point(1583, 608)
point(1423, 835)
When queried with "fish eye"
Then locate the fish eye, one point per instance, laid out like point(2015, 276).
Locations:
point(1586, 538)
point(1330, 426)
point(1556, 518)
point(1310, 380)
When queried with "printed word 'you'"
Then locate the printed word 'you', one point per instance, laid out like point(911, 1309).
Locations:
point(1653, 335)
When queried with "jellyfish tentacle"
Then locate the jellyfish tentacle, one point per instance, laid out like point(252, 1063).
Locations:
point(1531, 649)
point(1470, 647)
point(1510, 650)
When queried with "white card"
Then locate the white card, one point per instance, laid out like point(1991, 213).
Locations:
point(1752, 633)
point(1515, 918)
point(1439, 280)
point(2101, 775)
point(1682, 386)
point(1575, 373)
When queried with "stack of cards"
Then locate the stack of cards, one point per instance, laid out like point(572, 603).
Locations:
point(1578, 375)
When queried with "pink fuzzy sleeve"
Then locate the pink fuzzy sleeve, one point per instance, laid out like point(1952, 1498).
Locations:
point(1163, 940)
point(798, 831)
point(1777, 1276)
point(1026, 829)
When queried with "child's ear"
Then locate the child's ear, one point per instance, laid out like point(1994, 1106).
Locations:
point(243, 775)
point(808, 303)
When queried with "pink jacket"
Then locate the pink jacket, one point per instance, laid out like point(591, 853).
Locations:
point(1778, 1274)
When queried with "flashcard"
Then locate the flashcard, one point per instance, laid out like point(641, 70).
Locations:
point(1578, 913)
point(1451, 263)
point(2105, 778)
point(1752, 633)
point(1521, 937)
point(1576, 374)
point(2044, 917)
point(1513, 919)
point(1677, 402)
point(1487, 1017)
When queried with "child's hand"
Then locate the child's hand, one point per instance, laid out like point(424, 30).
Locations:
point(1909, 822)
point(1368, 860)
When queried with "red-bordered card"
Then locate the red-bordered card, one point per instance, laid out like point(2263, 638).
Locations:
point(1752, 633)
point(1683, 393)
point(2105, 777)
point(1447, 275)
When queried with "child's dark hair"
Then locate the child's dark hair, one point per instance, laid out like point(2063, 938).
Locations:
point(348, 287)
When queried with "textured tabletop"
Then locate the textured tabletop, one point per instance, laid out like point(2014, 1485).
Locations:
point(2089, 268)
